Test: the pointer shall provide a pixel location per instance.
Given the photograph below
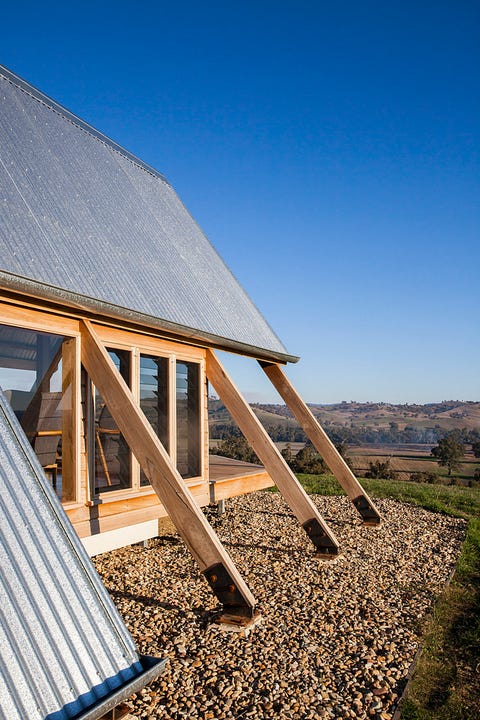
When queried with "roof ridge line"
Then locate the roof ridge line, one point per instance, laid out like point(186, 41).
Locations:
point(70, 117)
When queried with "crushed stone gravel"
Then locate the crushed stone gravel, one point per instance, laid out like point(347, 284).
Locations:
point(336, 638)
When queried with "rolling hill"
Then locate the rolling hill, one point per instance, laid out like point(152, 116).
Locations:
point(360, 423)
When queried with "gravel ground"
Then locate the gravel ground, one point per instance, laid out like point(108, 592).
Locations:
point(336, 638)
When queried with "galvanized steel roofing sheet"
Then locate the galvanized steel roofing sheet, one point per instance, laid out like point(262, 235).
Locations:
point(63, 646)
point(85, 220)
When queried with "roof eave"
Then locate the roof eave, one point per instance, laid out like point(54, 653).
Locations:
point(89, 305)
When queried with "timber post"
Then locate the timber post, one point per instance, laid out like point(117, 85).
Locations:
point(322, 443)
point(212, 558)
point(322, 537)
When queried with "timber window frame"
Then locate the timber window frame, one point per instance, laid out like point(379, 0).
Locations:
point(28, 316)
point(40, 373)
point(144, 346)
point(110, 457)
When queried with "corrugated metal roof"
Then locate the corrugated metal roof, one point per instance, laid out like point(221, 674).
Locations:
point(64, 649)
point(90, 224)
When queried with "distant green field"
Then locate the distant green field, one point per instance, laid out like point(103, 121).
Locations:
point(405, 459)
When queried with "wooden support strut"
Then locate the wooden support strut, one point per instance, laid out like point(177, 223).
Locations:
point(322, 443)
point(215, 563)
point(302, 506)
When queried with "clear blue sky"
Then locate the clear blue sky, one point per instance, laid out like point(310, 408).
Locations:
point(329, 150)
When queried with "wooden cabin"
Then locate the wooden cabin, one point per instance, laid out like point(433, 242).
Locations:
point(112, 304)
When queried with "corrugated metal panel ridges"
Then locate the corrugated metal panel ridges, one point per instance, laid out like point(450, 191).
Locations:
point(63, 644)
point(79, 215)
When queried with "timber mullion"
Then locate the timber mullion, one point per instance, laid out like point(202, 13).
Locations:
point(296, 497)
point(206, 548)
point(70, 420)
point(205, 470)
point(135, 386)
point(172, 408)
point(322, 443)
point(83, 490)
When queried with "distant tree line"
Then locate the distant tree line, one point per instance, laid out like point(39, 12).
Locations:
point(306, 460)
point(448, 453)
point(363, 435)
point(393, 435)
point(278, 433)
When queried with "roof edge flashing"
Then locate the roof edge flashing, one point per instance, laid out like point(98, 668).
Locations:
point(32, 288)
point(152, 667)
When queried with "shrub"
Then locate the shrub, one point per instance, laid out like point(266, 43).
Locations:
point(308, 461)
point(237, 448)
point(379, 469)
point(423, 477)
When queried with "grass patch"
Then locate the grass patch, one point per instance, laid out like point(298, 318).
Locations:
point(446, 683)
point(320, 484)
point(447, 499)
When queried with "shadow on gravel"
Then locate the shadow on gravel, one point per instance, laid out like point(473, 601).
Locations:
point(296, 552)
point(147, 601)
point(272, 514)
point(203, 616)
point(168, 540)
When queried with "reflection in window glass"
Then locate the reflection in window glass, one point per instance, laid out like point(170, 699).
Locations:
point(154, 398)
point(31, 377)
point(188, 419)
point(112, 454)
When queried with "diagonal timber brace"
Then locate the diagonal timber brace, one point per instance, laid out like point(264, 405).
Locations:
point(322, 443)
point(212, 558)
point(302, 506)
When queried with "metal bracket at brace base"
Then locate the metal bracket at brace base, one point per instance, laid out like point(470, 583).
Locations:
point(325, 547)
point(227, 593)
point(370, 515)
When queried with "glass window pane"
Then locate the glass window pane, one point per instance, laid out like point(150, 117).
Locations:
point(188, 419)
point(112, 454)
point(154, 398)
point(31, 377)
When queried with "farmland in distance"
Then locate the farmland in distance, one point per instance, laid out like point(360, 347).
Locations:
point(402, 434)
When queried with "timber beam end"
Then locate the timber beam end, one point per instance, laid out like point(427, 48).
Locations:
point(227, 593)
point(322, 443)
point(368, 512)
point(325, 546)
